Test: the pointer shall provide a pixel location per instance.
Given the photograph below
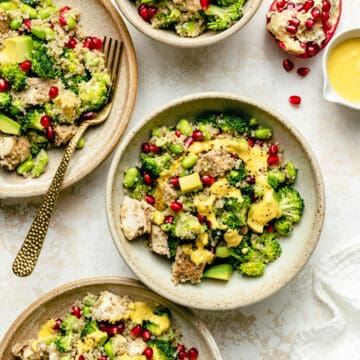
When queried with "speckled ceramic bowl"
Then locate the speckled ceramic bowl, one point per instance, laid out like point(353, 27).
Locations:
point(169, 37)
point(155, 271)
point(57, 302)
point(99, 18)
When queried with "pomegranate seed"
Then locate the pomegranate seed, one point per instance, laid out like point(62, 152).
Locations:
point(208, 224)
point(292, 29)
point(146, 335)
point(147, 179)
point(325, 16)
point(52, 26)
point(111, 330)
point(64, 9)
point(299, 7)
point(288, 65)
point(103, 357)
point(136, 331)
point(25, 66)
point(71, 44)
point(273, 149)
point(152, 10)
point(309, 23)
point(176, 206)
point(201, 218)
point(177, 133)
point(189, 141)
point(87, 42)
point(154, 149)
point(76, 311)
point(270, 229)
point(327, 27)
point(53, 92)
point(88, 115)
point(146, 12)
point(81, 357)
point(27, 23)
point(294, 21)
point(4, 85)
point(180, 348)
point(251, 142)
point(96, 43)
point(207, 180)
point(182, 355)
point(149, 199)
point(326, 6)
point(308, 5)
point(102, 327)
point(205, 4)
point(145, 147)
point(251, 180)
point(120, 328)
point(193, 354)
point(303, 71)
point(273, 160)
point(148, 352)
point(259, 142)
point(62, 20)
point(315, 13)
point(50, 134)
point(254, 198)
point(57, 325)
point(295, 100)
point(198, 135)
point(174, 181)
point(169, 219)
point(280, 4)
point(312, 49)
point(45, 121)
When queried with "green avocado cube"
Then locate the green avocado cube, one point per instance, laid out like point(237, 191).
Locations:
point(16, 49)
point(9, 126)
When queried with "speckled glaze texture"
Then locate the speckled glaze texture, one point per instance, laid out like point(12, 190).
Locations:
point(102, 139)
point(239, 291)
point(58, 302)
point(169, 37)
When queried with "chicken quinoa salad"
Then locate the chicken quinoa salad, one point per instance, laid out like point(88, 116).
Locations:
point(52, 77)
point(213, 195)
point(190, 18)
point(105, 327)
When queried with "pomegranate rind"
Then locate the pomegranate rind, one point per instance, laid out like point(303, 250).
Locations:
point(328, 35)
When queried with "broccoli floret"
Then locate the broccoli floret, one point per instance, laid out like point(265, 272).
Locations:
point(252, 268)
point(283, 226)
point(43, 64)
point(220, 18)
point(187, 226)
point(14, 75)
point(94, 93)
point(17, 108)
point(173, 243)
point(268, 246)
point(72, 83)
point(70, 324)
point(140, 189)
point(31, 120)
point(162, 310)
point(89, 300)
point(166, 17)
point(70, 62)
point(64, 343)
point(191, 28)
point(155, 164)
point(32, 3)
point(5, 100)
point(291, 204)
point(37, 142)
point(90, 327)
point(237, 176)
point(235, 212)
point(225, 3)
point(165, 349)
point(226, 121)
point(275, 178)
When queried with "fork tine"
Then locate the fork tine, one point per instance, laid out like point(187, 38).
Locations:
point(116, 67)
point(107, 51)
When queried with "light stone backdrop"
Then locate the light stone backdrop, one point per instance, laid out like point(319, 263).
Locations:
point(79, 244)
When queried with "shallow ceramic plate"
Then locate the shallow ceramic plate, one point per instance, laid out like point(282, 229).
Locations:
point(155, 271)
point(57, 302)
point(98, 18)
point(169, 37)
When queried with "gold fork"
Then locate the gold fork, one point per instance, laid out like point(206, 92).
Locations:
point(29, 252)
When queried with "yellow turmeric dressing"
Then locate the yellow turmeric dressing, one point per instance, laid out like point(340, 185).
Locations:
point(344, 69)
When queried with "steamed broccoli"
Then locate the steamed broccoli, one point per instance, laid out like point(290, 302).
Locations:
point(32, 3)
point(5, 100)
point(165, 349)
point(275, 178)
point(172, 242)
point(237, 176)
point(283, 226)
point(220, 18)
point(166, 17)
point(268, 246)
point(71, 62)
point(32, 119)
point(17, 107)
point(187, 226)
point(64, 343)
point(234, 215)
point(225, 3)
point(70, 325)
point(14, 75)
point(72, 83)
point(90, 327)
point(226, 121)
point(155, 164)
point(43, 64)
point(290, 203)
point(252, 268)
point(191, 28)
point(37, 142)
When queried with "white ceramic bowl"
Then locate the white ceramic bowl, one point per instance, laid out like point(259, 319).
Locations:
point(169, 37)
point(58, 301)
point(330, 94)
point(155, 272)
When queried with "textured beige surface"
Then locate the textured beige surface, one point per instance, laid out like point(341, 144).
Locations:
point(249, 63)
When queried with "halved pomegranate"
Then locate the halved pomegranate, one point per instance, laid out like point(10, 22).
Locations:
point(303, 27)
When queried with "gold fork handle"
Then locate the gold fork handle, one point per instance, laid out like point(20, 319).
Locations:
point(29, 252)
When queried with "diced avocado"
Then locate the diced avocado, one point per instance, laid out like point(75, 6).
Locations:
point(190, 183)
point(219, 272)
point(16, 49)
point(9, 126)
point(158, 324)
point(222, 252)
point(109, 350)
point(91, 341)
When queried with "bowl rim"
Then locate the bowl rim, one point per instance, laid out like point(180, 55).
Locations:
point(178, 41)
point(318, 179)
point(195, 321)
point(329, 93)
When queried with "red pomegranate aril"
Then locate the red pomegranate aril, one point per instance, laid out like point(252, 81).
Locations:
point(174, 181)
point(259, 142)
point(295, 100)
point(303, 71)
point(176, 206)
point(209, 224)
point(111, 330)
point(273, 160)
point(76, 311)
point(325, 16)
point(53, 92)
point(273, 149)
point(25, 66)
point(312, 50)
point(315, 13)
point(294, 21)
point(50, 134)
point(326, 6)
point(299, 7)
point(169, 219)
point(103, 357)
point(251, 180)
point(288, 65)
point(62, 20)
point(96, 43)
point(177, 133)
point(180, 348)
point(280, 4)
point(182, 355)
point(251, 142)
point(204, 4)
point(201, 218)
point(154, 149)
point(326, 27)
point(88, 115)
point(146, 12)
point(27, 23)
point(292, 29)
point(146, 335)
point(45, 121)
point(57, 325)
point(152, 10)
point(81, 357)
point(64, 9)
point(145, 147)
point(71, 44)
point(120, 328)
point(148, 352)
point(4, 85)
point(308, 5)
point(136, 331)
point(193, 354)
point(189, 141)
point(149, 199)
point(309, 23)
point(207, 180)
point(147, 179)
point(270, 229)
point(198, 135)
point(103, 327)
